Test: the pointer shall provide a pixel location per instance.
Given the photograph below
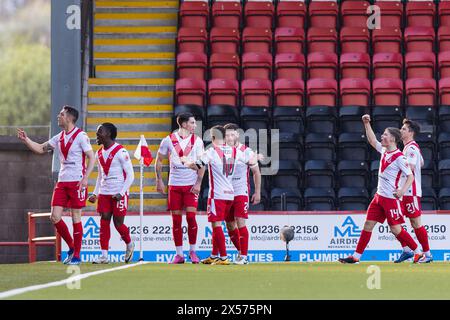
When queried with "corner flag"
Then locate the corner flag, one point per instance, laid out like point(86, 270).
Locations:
point(142, 151)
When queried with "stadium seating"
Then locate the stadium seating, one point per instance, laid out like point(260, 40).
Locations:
point(419, 39)
point(384, 116)
point(350, 118)
point(289, 66)
point(420, 92)
point(420, 13)
point(391, 13)
point(290, 146)
point(353, 173)
point(291, 13)
point(444, 39)
point(429, 200)
point(259, 14)
point(355, 65)
point(387, 92)
point(354, 39)
point(420, 65)
point(319, 174)
point(289, 119)
point(429, 174)
point(190, 91)
point(354, 13)
point(257, 40)
point(353, 146)
point(320, 146)
point(257, 65)
point(194, 14)
point(224, 40)
point(355, 91)
point(289, 40)
point(322, 65)
point(289, 92)
point(294, 199)
point(321, 119)
point(387, 65)
point(444, 199)
point(444, 118)
point(320, 199)
point(353, 198)
point(256, 93)
point(322, 92)
point(226, 14)
point(444, 13)
point(444, 64)
point(323, 14)
point(387, 40)
point(224, 66)
point(322, 40)
point(444, 146)
point(289, 175)
point(192, 65)
point(192, 40)
point(223, 91)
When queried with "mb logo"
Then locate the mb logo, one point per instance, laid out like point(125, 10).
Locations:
point(348, 228)
point(92, 229)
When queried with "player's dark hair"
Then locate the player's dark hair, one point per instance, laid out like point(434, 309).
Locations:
point(112, 129)
point(217, 132)
point(72, 111)
point(395, 132)
point(184, 117)
point(231, 126)
point(413, 126)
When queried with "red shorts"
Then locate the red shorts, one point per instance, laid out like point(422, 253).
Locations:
point(218, 209)
point(107, 204)
point(67, 195)
point(411, 206)
point(239, 209)
point(382, 208)
point(181, 197)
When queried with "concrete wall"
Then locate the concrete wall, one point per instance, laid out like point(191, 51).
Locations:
point(25, 185)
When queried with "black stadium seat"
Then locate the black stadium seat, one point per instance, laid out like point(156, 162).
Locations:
point(353, 146)
point(321, 119)
point(444, 118)
point(385, 116)
point(429, 174)
point(350, 118)
point(353, 173)
point(374, 168)
point(427, 143)
point(444, 173)
point(444, 145)
point(257, 118)
point(320, 146)
point(290, 146)
point(221, 115)
point(294, 201)
point(429, 200)
point(289, 174)
point(289, 119)
point(320, 199)
point(444, 199)
point(319, 174)
point(353, 198)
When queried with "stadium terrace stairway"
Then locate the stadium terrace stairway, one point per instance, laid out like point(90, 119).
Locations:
point(134, 51)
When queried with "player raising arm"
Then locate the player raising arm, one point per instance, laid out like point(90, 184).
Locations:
point(70, 191)
point(115, 177)
point(386, 202)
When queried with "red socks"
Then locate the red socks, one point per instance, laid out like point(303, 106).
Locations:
point(192, 227)
point(407, 239)
point(124, 233)
point(243, 238)
point(363, 241)
point(177, 230)
point(234, 236)
point(219, 238)
point(77, 238)
point(63, 231)
point(422, 236)
point(105, 234)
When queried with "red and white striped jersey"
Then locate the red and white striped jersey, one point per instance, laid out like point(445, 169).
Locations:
point(241, 183)
point(414, 157)
point(115, 171)
point(176, 147)
point(71, 148)
point(392, 165)
point(221, 161)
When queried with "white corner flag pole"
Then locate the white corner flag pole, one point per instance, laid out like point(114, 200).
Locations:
point(141, 209)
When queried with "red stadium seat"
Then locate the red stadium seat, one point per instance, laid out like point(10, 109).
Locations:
point(421, 92)
point(355, 92)
point(226, 14)
point(291, 14)
point(322, 92)
point(257, 39)
point(322, 39)
point(355, 65)
point(224, 40)
point(354, 39)
point(354, 13)
point(444, 13)
point(444, 91)
point(223, 91)
point(420, 65)
point(190, 91)
point(259, 14)
point(391, 13)
point(322, 65)
point(194, 14)
point(257, 65)
point(256, 93)
point(289, 92)
point(420, 13)
point(419, 39)
point(191, 65)
point(289, 40)
point(387, 92)
point(444, 39)
point(289, 66)
point(192, 40)
point(323, 14)
point(224, 66)
point(444, 64)
point(388, 65)
point(387, 39)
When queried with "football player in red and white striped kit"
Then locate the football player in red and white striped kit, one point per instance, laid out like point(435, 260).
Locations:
point(73, 146)
point(386, 204)
point(115, 177)
point(236, 219)
point(184, 184)
point(411, 200)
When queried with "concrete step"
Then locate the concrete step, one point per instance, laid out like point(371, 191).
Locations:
point(148, 36)
point(134, 45)
point(135, 55)
point(130, 97)
point(135, 71)
point(136, 4)
point(130, 84)
point(136, 19)
point(132, 30)
point(130, 108)
point(131, 124)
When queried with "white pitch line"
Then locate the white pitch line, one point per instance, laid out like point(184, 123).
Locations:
point(14, 292)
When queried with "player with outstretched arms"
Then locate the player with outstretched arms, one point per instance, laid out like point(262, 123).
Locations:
point(73, 146)
point(221, 160)
point(236, 220)
point(386, 204)
point(115, 177)
point(411, 200)
point(184, 184)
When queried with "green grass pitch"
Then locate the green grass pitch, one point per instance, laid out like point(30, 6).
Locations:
point(254, 281)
